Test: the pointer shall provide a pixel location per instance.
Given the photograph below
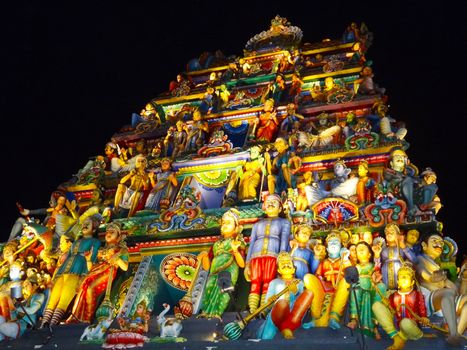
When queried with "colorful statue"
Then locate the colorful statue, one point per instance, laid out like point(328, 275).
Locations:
point(288, 311)
point(26, 315)
point(267, 124)
point(132, 329)
point(365, 185)
point(370, 290)
point(163, 185)
point(394, 254)
point(402, 178)
point(251, 174)
point(78, 262)
point(269, 237)
point(228, 255)
point(289, 120)
point(407, 305)
point(128, 197)
point(301, 253)
point(425, 194)
point(280, 176)
point(197, 132)
point(329, 286)
point(441, 295)
point(412, 241)
point(110, 258)
point(175, 141)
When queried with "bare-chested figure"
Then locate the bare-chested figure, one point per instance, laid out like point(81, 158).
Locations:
point(127, 197)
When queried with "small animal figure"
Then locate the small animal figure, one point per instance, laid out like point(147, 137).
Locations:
point(96, 331)
point(170, 327)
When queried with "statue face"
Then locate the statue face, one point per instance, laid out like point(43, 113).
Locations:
point(339, 169)
point(272, 207)
point(434, 247)
point(228, 227)
point(141, 162)
point(405, 281)
point(286, 267)
point(320, 251)
point(412, 237)
point(86, 228)
point(112, 235)
point(303, 235)
point(363, 253)
point(281, 145)
point(398, 162)
point(355, 238)
point(334, 247)
point(362, 170)
point(165, 164)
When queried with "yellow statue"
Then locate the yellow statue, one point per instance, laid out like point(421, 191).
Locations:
point(128, 197)
point(250, 176)
point(401, 304)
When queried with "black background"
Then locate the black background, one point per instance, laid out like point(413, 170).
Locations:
point(74, 72)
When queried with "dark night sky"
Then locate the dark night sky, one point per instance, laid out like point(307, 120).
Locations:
point(73, 74)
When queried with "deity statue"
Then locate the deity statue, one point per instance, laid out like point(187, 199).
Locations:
point(371, 290)
point(402, 177)
point(175, 141)
point(25, 316)
point(267, 125)
point(301, 253)
point(407, 304)
point(128, 197)
point(110, 258)
point(227, 254)
point(329, 286)
point(78, 262)
point(197, 132)
point(269, 237)
point(394, 254)
point(250, 175)
point(281, 170)
point(288, 311)
point(441, 295)
point(365, 185)
point(163, 185)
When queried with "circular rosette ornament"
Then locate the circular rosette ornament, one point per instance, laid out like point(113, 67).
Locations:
point(179, 270)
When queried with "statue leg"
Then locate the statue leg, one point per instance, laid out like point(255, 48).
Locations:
point(444, 299)
point(119, 195)
point(340, 300)
point(134, 203)
point(314, 284)
point(407, 190)
point(462, 320)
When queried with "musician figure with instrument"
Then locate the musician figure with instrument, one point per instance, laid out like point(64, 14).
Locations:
point(407, 305)
point(287, 313)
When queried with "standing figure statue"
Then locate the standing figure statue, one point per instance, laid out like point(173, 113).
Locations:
point(78, 262)
point(163, 185)
point(251, 174)
point(197, 132)
point(128, 197)
point(109, 259)
point(394, 254)
point(227, 255)
point(269, 237)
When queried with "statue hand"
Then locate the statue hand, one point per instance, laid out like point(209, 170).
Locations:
point(293, 287)
point(424, 321)
point(376, 276)
point(377, 250)
point(345, 253)
point(151, 174)
point(235, 245)
point(401, 240)
point(25, 212)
